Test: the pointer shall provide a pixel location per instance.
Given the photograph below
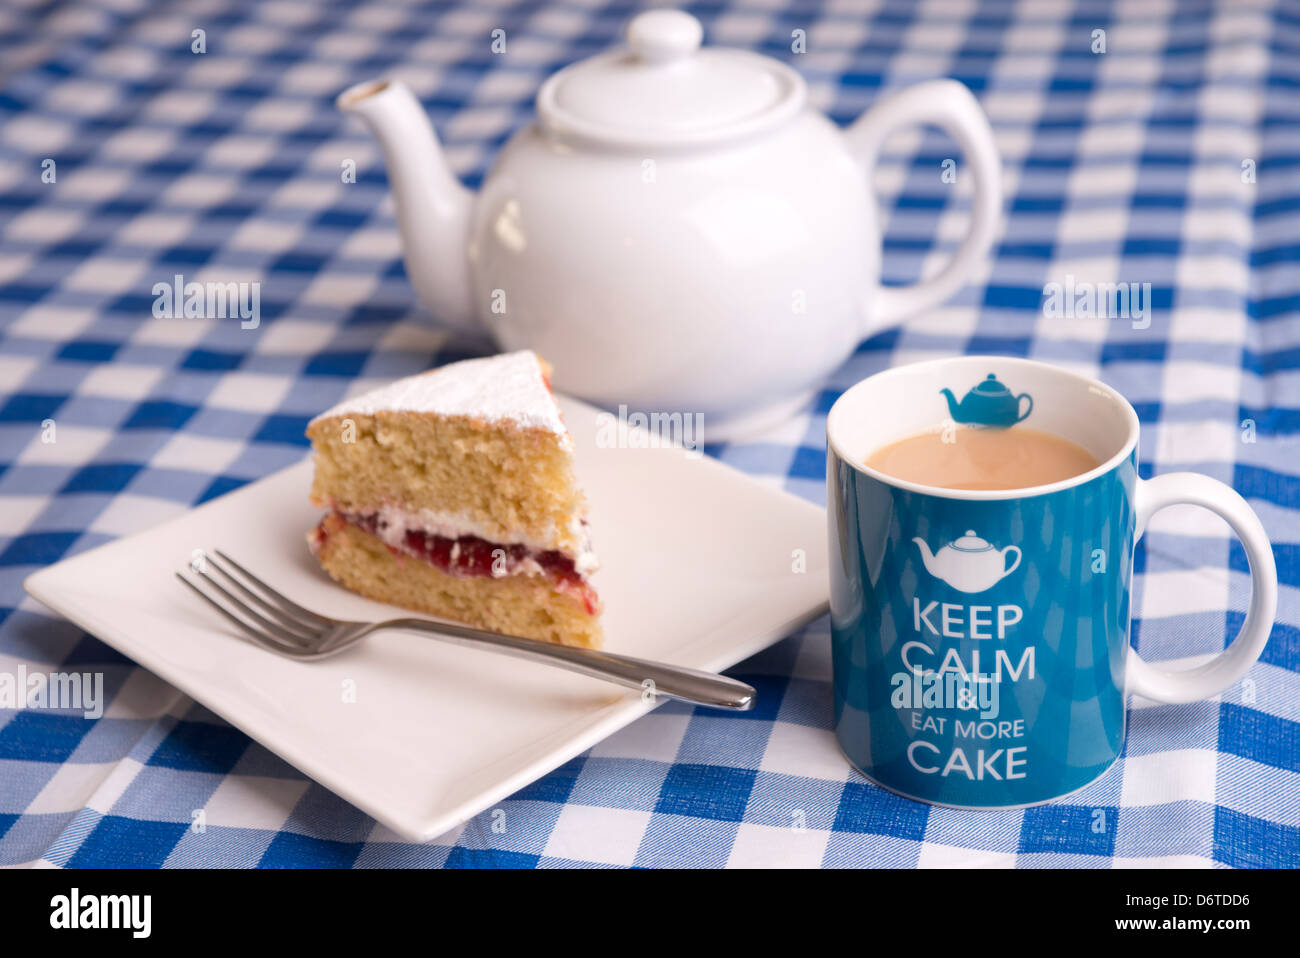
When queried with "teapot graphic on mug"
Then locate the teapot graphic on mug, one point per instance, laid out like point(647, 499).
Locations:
point(968, 563)
point(989, 403)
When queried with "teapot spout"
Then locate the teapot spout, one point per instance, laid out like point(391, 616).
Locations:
point(433, 206)
point(927, 557)
point(954, 407)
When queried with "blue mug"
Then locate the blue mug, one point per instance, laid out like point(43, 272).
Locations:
point(980, 639)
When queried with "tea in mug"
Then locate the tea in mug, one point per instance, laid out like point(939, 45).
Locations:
point(977, 458)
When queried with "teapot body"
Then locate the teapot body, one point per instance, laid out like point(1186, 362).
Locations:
point(725, 282)
point(678, 232)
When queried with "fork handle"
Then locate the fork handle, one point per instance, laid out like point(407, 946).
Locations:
point(653, 678)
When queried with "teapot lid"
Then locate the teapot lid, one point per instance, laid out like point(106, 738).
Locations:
point(990, 386)
point(970, 542)
point(664, 90)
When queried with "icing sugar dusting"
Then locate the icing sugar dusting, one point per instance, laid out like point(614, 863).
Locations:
point(505, 388)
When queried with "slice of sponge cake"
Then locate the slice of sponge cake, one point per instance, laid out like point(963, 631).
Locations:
point(452, 492)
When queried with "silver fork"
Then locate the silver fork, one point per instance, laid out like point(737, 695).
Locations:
point(276, 622)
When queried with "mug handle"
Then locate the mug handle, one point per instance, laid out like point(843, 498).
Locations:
point(948, 105)
point(1235, 661)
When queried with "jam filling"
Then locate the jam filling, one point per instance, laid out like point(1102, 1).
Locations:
point(471, 556)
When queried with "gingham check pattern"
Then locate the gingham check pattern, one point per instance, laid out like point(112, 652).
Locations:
point(1131, 165)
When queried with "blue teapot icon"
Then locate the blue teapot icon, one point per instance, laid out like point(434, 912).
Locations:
point(988, 404)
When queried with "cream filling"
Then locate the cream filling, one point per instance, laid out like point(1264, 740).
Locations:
point(395, 522)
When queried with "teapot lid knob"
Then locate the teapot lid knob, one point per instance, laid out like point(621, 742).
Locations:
point(662, 36)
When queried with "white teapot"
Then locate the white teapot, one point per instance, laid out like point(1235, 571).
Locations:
point(678, 231)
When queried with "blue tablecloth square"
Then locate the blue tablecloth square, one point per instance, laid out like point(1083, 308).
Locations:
point(1069, 829)
point(706, 791)
point(200, 747)
point(118, 842)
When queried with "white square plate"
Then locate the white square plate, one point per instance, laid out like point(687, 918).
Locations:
point(697, 569)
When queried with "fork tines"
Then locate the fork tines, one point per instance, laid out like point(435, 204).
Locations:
point(290, 628)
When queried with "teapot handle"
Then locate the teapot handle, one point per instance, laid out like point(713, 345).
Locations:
point(949, 105)
point(1022, 416)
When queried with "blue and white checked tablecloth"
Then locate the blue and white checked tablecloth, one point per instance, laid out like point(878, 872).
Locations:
point(1172, 158)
